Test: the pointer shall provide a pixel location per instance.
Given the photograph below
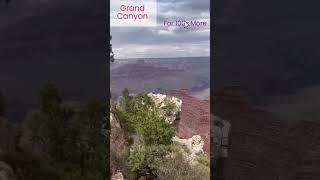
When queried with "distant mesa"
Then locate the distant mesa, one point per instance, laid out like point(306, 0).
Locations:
point(140, 70)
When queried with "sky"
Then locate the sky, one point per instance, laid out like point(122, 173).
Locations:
point(161, 41)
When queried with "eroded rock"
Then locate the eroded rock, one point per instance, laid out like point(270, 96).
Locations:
point(193, 144)
point(170, 105)
point(194, 118)
point(190, 147)
point(117, 176)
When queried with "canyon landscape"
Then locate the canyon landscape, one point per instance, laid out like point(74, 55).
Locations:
point(181, 81)
point(161, 75)
point(185, 78)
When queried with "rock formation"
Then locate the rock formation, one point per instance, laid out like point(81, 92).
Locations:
point(194, 144)
point(163, 101)
point(194, 118)
point(117, 176)
point(191, 147)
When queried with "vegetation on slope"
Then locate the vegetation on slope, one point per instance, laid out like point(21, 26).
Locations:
point(150, 152)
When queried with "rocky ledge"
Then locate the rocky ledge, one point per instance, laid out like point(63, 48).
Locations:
point(163, 102)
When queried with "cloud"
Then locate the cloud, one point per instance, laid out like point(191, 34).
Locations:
point(161, 41)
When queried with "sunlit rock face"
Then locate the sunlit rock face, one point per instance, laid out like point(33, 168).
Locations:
point(164, 101)
point(190, 147)
point(193, 144)
point(117, 176)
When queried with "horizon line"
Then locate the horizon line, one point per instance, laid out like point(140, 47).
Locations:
point(161, 57)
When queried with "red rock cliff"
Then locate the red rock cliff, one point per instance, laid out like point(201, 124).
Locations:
point(194, 118)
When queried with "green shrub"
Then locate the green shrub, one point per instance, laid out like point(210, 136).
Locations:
point(203, 164)
point(169, 105)
point(138, 114)
point(137, 155)
point(177, 168)
point(146, 159)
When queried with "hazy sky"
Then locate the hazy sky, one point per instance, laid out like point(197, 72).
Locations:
point(138, 42)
